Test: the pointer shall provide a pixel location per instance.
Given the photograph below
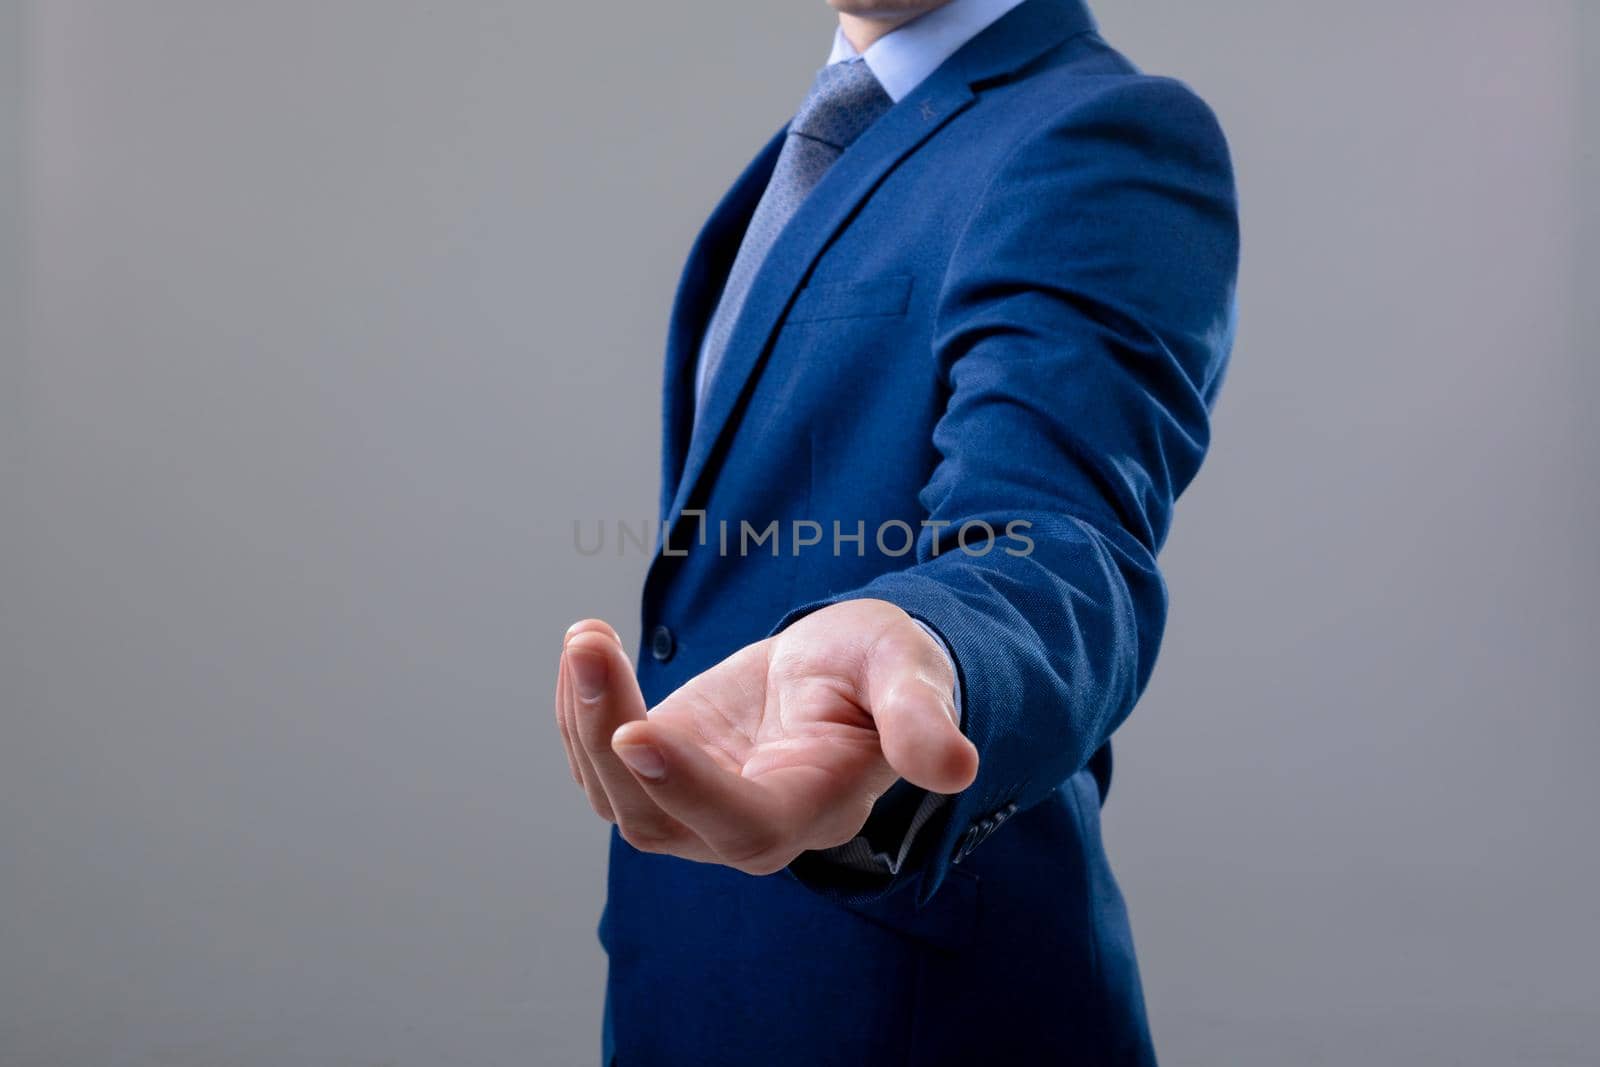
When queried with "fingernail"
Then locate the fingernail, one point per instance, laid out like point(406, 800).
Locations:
point(588, 676)
point(643, 760)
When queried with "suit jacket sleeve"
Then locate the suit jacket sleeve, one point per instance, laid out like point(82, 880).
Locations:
point(1082, 329)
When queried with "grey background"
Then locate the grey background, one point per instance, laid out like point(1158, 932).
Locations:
point(322, 321)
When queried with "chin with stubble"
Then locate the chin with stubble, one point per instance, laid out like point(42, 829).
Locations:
point(897, 10)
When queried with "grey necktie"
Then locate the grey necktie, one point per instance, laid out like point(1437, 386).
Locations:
point(844, 100)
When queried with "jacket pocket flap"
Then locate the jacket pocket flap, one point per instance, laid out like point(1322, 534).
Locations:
point(852, 300)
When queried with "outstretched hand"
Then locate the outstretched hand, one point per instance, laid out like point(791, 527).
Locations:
point(780, 748)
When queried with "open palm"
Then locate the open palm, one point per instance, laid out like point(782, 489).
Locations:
point(782, 747)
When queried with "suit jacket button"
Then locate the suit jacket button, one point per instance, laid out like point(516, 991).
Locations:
point(662, 644)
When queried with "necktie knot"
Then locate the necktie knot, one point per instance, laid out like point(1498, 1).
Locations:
point(844, 100)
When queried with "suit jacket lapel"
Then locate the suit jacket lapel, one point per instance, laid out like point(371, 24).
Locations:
point(835, 198)
point(698, 290)
point(1024, 34)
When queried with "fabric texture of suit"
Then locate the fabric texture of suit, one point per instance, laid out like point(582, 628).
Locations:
point(1011, 299)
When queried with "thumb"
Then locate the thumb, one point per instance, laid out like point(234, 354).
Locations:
point(910, 691)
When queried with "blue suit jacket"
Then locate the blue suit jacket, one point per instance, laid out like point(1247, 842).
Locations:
point(1011, 299)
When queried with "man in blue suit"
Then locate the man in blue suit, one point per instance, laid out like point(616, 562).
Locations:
point(940, 363)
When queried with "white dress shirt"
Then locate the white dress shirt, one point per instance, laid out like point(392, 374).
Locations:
point(903, 58)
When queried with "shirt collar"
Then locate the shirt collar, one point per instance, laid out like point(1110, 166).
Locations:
point(903, 58)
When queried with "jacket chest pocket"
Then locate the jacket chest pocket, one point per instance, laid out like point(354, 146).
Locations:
point(875, 297)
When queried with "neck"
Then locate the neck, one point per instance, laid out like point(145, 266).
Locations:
point(863, 32)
